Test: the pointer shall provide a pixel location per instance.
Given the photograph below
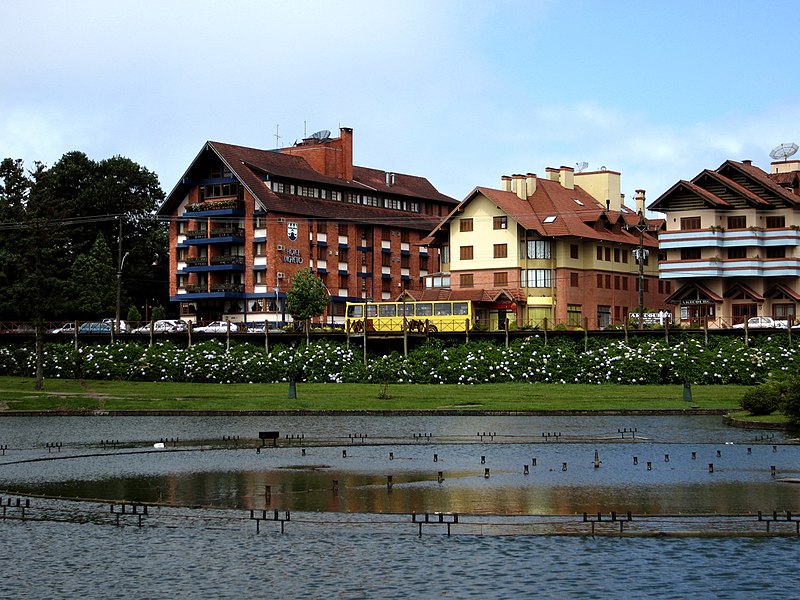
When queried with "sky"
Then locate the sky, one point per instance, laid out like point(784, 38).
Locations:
point(460, 92)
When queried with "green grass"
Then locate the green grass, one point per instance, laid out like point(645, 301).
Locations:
point(743, 415)
point(18, 393)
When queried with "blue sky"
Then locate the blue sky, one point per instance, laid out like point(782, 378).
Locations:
point(460, 92)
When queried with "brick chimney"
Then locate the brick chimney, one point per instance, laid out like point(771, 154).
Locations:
point(639, 200)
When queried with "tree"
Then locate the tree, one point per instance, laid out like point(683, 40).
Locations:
point(93, 282)
point(307, 298)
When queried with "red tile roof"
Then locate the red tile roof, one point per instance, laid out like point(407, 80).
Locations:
point(584, 218)
point(252, 166)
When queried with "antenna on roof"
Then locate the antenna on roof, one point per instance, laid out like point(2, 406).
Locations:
point(580, 166)
point(783, 151)
point(321, 135)
point(277, 137)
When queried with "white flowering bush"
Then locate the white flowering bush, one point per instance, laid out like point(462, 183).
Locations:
point(725, 360)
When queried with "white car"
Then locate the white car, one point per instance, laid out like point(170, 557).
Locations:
point(123, 326)
point(217, 327)
point(762, 323)
point(163, 326)
point(65, 328)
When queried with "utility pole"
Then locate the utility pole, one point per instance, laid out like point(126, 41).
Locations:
point(120, 263)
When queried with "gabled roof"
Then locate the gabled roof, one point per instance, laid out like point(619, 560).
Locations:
point(695, 289)
point(739, 180)
point(252, 167)
point(577, 214)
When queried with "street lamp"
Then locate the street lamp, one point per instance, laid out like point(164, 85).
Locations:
point(641, 254)
point(119, 291)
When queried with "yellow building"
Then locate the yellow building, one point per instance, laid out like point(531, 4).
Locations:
point(547, 251)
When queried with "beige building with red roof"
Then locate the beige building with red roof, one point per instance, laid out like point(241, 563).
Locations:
point(243, 221)
point(731, 243)
point(548, 251)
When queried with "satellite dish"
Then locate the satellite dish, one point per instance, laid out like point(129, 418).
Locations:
point(322, 134)
point(783, 151)
point(581, 166)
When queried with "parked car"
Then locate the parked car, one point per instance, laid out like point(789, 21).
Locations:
point(763, 323)
point(259, 328)
point(163, 326)
point(123, 326)
point(65, 328)
point(217, 327)
point(95, 327)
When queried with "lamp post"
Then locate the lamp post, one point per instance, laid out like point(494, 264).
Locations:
point(119, 291)
point(367, 300)
point(641, 255)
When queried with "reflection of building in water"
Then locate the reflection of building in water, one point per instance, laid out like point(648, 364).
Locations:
point(243, 221)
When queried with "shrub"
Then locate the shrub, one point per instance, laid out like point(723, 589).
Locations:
point(761, 400)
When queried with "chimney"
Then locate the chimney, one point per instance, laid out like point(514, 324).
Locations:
point(530, 184)
point(389, 179)
point(747, 162)
point(519, 187)
point(567, 177)
point(551, 174)
point(639, 199)
point(505, 183)
point(346, 135)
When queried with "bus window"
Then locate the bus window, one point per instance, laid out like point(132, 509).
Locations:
point(424, 309)
point(355, 311)
point(442, 309)
point(372, 310)
point(387, 310)
point(460, 308)
point(409, 310)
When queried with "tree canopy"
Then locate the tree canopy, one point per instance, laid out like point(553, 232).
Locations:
point(61, 228)
point(307, 298)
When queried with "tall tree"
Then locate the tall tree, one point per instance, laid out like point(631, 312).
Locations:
point(307, 298)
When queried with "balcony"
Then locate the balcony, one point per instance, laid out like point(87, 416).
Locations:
point(229, 259)
point(720, 238)
point(717, 267)
point(212, 208)
point(228, 287)
point(200, 261)
point(227, 231)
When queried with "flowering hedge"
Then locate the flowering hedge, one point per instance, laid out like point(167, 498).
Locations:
point(560, 360)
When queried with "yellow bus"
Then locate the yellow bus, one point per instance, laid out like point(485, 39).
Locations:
point(421, 317)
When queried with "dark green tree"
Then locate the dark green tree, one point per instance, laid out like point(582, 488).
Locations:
point(307, 298)
point(93, 282)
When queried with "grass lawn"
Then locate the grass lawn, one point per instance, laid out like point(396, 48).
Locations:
point(18, 393)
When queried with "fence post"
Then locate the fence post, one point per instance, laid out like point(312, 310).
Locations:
point(544, 325)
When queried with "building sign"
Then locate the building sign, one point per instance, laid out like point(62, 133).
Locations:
point(291, 230)
point(292, 256)
point(697, 301)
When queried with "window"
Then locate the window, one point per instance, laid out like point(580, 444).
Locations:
point(617, 282)
point(574, 315)
point(539, 249)
point(608, 282)
point(465, 252)
point(779, 252)
point(344, 255)
point(501, 250)
point(599, 253)
point(776, 222)
point(537, 278)
point(465, 225)
point(625, 256)
point(386, 259)
point(574, 280)
point(443, 309)
point(737, 222)
point(616, 254)
point(445, 254)
point(624, 283)
point(737, 252)
point(573, 250)
point(404, 235)
point(599, 281)
point(690, 253)
point(467, 280)
point(500, 222)
point(688, 223)
point(607, 252)
point(603, 316)
point(783, 311)
point(386, 285)
point(501, 279)
point(386, 233)
point(405, 260)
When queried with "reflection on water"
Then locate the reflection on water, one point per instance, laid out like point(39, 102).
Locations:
point(505, 474)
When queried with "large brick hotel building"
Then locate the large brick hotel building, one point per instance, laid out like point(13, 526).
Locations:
point(243, 221)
